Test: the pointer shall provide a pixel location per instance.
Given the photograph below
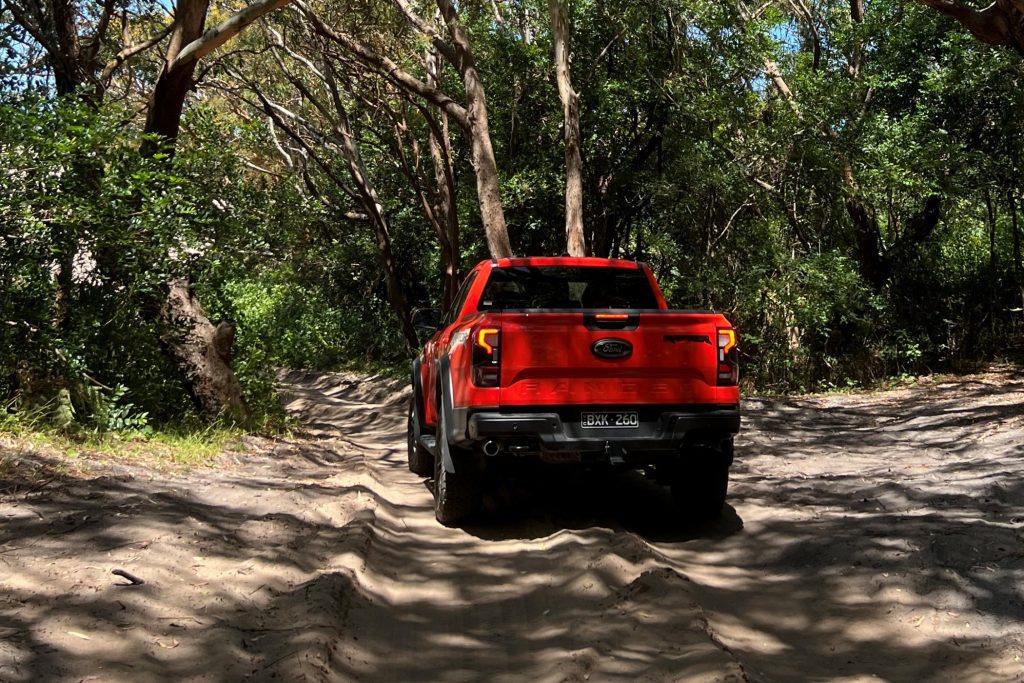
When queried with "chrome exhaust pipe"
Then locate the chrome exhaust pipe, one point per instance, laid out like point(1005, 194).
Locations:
point(491, 448)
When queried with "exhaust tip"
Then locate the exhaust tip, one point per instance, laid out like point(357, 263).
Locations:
point(491, 448)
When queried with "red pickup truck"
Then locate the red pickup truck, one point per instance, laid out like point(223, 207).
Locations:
point(574, 361)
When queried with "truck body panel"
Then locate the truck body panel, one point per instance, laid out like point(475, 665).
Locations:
point(548, 358)
point(576, 360)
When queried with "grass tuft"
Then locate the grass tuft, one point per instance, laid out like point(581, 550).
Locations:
point(177, 448)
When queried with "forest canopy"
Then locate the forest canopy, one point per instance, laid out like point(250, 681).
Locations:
point(193, 195)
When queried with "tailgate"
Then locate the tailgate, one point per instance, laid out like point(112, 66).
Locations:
point(574, 358)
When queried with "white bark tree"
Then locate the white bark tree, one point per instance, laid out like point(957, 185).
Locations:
point(471, 117)
point(561, 31)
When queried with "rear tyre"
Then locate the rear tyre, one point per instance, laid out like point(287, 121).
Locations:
point(456, 494)
point(421, 462)
point(700, 484)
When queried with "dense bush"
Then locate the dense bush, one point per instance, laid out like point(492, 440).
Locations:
point(76, 194)
point(92, 233)
point(695, 161)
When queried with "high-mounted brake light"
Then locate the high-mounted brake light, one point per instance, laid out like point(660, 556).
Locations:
point(487, 357)
point(728, 358)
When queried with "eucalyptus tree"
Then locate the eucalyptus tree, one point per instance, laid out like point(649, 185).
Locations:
point(80, 51)
point(85, 44)
point(561, 30)
point(308, 93)
point(417, 84)
point(472, 117)
point(190, 41)
point(201, 348)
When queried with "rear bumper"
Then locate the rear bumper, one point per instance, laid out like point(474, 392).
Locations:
point(558, 428)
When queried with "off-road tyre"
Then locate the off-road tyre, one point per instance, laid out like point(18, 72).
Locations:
point(421, 461)
point(457, 495)
point(700, 484)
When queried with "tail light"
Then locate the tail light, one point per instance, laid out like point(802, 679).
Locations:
point(728, 359)
point(486, 356)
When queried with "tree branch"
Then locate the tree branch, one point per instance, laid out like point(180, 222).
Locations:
point(303, 90)
point(273, 111)
point(93, 46)
point(388, 68)
point(131, 51)
point(277, 143)
point(426, 29)
point(31, 24)
point(278, 41)
point(225, 31)
point(988, 25)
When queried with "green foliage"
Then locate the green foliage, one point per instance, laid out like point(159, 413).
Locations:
point(109, 411)
point(80, 200)
point(68, 209)
point(694, 161)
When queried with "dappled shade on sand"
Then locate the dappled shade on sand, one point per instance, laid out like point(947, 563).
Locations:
point(872, 536)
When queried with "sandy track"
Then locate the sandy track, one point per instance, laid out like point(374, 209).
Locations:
point(869, 537)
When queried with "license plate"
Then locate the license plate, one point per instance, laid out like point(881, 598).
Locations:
point(609, 420)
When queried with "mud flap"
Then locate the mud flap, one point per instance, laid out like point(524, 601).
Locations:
point(417, 400)
point(417, 394)
point(447, 408)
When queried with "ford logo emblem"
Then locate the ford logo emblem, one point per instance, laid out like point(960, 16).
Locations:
point(612, 348)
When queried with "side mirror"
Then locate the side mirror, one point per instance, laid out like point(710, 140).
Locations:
point(427, 321)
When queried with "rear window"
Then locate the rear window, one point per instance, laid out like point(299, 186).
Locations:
point(557, 287)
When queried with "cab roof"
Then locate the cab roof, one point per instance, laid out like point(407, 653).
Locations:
point(565, 261)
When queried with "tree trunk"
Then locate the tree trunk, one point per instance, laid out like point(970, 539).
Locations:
point(444, 176)
point(201, 349)
point(167, 101)
point(857, 58)
point(190, 42)
point(603, 242)
point(449, 210)
point(166, 104)
point(62, 303)
point(484, 163)
point(203, 352)
point(1018, 267)
point(575, 244)
point(869, 255)
point(488, 190)
point(371, 204)
point(68, 70)
point(525, 27)
point(990, 209)
point(922, 224)
point(993, 285)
